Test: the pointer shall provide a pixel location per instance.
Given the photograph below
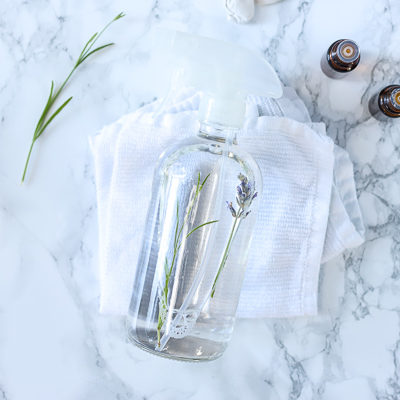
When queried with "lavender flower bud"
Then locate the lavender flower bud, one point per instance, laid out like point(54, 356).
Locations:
point(245, 195)
point(242, 178)
point(231, 209)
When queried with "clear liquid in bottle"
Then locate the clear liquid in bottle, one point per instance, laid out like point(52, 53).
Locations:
point(194, 253)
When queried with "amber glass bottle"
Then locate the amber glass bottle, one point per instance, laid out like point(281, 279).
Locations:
point(386, 103)
point(342, 57)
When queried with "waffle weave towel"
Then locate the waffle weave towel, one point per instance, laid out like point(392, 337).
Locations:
point(308, 212)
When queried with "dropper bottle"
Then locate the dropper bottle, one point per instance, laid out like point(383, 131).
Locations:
point(342, 57)
point(386, 104)
point(203, 209)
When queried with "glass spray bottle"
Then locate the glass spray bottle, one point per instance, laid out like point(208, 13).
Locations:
point(202, 212)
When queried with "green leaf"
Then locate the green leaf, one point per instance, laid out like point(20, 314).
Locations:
point(166, 269)
point(94, 51)
point(176, 237)
point(86, 46)
point(205, 180)
point(200, 226)
point(53, 116)
point(50, 95)
point(45, 110)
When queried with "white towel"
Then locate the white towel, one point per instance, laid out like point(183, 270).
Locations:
point(309, 211)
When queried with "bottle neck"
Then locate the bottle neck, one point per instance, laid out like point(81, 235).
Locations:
point(218, 133)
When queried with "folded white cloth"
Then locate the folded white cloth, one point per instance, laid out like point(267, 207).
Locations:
point(308, 212)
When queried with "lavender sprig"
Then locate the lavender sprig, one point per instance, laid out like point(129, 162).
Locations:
point(45, 119)
point(178, 240)
point(245, 195)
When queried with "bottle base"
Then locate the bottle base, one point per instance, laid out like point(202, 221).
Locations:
point(189, 349)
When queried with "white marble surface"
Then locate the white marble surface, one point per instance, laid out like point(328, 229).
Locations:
point(53, 343)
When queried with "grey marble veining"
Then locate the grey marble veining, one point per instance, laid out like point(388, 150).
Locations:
point(53, 343)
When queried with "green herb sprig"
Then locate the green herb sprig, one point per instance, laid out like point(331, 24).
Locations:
point(245, 195)
point(45, 118)
point(168, 267)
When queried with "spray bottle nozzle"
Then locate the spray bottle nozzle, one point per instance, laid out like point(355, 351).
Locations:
point(225, 72)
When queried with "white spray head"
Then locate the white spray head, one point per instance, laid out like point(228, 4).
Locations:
point(225, 72)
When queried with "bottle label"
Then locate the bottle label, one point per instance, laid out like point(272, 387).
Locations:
point(184, 323)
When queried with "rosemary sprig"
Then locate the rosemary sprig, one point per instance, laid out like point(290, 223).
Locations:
point(45, 119)
point(168, 268)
